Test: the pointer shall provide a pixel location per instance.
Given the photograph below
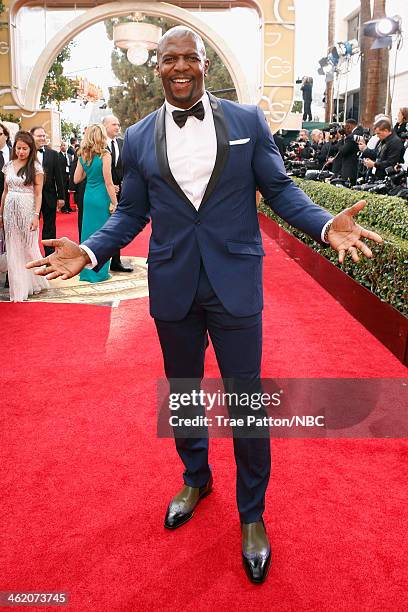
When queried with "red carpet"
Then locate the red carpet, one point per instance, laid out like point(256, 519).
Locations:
point(85, 481)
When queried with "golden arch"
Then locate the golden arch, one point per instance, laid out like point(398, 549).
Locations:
point(276, 21)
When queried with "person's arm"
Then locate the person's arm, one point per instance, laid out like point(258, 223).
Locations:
point(3, 199)
point(392, 155)
point(38, 186)
point(279, 191)
point(107, 177)
point(368, 153)
point(79, 174)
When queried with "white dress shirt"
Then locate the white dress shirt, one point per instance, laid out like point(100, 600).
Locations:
point(113, 144)
point(191, 151)
point(40, 156)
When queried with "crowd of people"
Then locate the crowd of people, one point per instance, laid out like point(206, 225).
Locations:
point(350, 151)
point(37, 181)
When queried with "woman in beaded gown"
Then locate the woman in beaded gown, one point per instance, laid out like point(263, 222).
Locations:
point(19, 216)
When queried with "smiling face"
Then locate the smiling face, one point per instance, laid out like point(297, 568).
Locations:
point(181, 66)
point(40, 137)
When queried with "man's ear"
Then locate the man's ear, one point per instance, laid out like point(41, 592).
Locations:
point(157, 71)
point(206, 66)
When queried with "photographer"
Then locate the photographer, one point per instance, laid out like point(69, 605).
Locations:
point(329, 153)
point(402, 122)
point(305, 147)
point(317, 145)
point(349, 152)
point(388, 151)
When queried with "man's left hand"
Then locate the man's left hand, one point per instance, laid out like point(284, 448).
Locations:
point(60, 204)
point(345, 235)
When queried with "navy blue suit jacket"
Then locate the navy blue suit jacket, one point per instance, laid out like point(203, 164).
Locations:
point(224, 232)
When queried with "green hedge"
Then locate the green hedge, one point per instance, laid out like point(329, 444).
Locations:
point(386, 275)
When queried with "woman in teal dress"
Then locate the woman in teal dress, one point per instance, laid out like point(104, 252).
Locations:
point(95, 165)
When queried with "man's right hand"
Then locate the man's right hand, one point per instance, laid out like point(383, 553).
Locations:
point(67, 260)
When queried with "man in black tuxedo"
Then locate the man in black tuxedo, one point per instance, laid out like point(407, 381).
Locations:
point(73, 142)
point(65, 161)
point(53, 190)
point(115, 146)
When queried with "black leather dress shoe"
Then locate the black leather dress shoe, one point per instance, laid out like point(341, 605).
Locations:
point(121, 268)
point(182, 506)
point(256, 551)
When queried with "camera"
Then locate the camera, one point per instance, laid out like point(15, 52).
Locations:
point(334, 129)
point(392, 184)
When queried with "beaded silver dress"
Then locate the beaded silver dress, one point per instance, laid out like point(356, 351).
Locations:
point(21, 243)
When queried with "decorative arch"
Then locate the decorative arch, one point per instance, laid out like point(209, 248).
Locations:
point(116, 9)
point(276, 25)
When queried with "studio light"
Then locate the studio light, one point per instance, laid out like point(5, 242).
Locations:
point(382, 30)
point(345, 49)
point(386, 27)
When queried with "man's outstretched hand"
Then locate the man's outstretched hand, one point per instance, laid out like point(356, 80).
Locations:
point(345, 234)
point(66, 261)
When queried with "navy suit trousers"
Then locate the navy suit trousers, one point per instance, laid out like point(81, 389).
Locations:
point(237, 342)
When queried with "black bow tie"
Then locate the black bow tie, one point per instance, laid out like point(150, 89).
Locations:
point(41, 150)
point(180, 117)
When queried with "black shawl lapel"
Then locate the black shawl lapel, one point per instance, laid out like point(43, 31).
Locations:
point(222, 146)
point(161, 154)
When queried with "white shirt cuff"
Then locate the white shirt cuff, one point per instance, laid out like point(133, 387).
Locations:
point(321, 235)
point(94, 261)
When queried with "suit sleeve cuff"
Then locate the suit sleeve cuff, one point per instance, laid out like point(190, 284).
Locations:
point(91, 254)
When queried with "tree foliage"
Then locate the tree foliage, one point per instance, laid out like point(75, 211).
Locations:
point(58, 87)
point(140, 91)
point(69, 129)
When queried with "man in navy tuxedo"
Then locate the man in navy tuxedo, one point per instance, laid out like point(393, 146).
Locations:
point(193, 168)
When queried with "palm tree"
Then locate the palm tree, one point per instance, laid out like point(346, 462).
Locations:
point(330, 42)
point(374, 67)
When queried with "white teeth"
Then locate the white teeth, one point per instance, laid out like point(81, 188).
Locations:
point(181, 80)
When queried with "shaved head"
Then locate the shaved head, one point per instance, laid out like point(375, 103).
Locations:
point(108, 118)
point(181, 32)
point(112, 125)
